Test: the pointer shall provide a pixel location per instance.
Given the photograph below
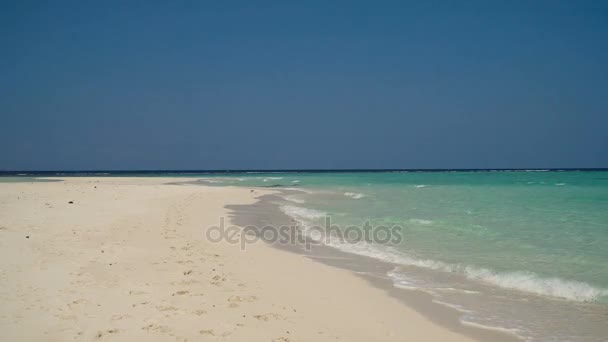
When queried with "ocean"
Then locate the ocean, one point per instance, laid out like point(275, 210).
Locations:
point(525, 252)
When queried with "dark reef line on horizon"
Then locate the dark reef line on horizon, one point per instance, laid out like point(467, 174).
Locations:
point(253, 171)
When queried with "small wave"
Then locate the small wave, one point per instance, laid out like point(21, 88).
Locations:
point(354, 195)
point(530, 282)
point(515, 332)
point(421, 221)
point(294, 199)
point(213, 181)
point(405, 286)
point(560, 184)
point(295, 181)
point(299, 190)
point(300, 213)
point(452, 306)
point(521, 281)
point(304, 216)
point(266, 179)
point(389, 254)
point(452, 289)
point(421, 186)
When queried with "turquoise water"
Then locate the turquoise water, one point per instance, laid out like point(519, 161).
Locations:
point(533, 237)
point(554, 224)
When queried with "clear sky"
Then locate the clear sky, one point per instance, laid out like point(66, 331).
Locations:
point(306, 84)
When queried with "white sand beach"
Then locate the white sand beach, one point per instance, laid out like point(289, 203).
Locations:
point(128, 261)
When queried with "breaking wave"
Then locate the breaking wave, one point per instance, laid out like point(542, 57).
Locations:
point(524, 281)
point(302, 214)
point(517, 280)
point(421, 221)
point(354, 195)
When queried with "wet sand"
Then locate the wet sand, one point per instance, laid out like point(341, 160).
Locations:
point(266, 212)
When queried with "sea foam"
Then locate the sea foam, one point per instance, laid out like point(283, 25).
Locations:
point(213, 181)
point(354, 195)
point(421, 221)
point(302, 214)
point(533, 283)
point(294, 199)
point(519, 280)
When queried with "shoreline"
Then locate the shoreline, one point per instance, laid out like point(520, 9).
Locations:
point(126, 260)
point(373, 271)
point(527, 316)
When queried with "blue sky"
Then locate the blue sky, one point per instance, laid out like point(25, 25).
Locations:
point(309, 84)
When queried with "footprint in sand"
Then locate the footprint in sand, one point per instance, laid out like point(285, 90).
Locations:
point(101, 334)
point(185, 282)
point(156, 328)
point(137, 293)
point(217, 280)
point(142, 303)
point(76, 302)
point(66, 317)
point(239, 299)
point(267, 317)
point(166, 308)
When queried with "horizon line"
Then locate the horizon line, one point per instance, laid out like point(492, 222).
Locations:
point(214, 171)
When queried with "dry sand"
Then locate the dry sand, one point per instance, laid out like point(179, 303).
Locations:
point(128, 261)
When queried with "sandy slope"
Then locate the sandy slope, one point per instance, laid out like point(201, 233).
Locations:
point(128, 261)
